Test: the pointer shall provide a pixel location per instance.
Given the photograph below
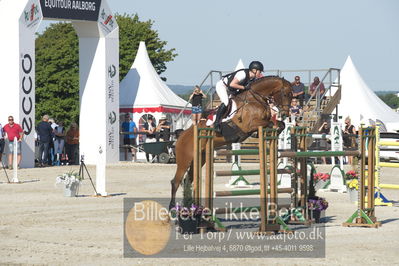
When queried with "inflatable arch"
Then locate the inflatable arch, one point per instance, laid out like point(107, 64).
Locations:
point(98, 34)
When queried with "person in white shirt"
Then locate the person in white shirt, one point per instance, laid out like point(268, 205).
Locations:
point(234, 83)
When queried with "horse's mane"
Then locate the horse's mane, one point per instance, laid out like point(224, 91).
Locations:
point(271, 77)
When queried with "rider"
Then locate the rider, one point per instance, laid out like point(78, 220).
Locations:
point(233, 83)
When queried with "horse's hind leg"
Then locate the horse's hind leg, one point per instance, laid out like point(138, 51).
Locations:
point(175, 182)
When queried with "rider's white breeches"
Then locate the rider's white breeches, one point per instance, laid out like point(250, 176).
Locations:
point(221, 90)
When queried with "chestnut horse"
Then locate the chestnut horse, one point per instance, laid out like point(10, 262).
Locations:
point(253, 110)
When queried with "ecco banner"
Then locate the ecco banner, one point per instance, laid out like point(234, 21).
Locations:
point(70, 9)
point(28, 23)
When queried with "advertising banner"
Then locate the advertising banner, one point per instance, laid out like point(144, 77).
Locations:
point(107, 26)
point(71, 10)
point(28, 23)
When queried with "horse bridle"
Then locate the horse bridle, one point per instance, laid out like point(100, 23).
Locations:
point(266, 100)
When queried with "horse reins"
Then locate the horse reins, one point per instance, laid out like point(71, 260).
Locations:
point(264, 101)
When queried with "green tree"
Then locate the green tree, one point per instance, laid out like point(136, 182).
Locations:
point(57, 63)
point(57, 73)
point(390, 99)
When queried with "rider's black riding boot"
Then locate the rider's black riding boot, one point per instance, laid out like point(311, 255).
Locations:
point(218, 120)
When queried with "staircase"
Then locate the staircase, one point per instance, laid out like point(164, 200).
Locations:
point(319, 107)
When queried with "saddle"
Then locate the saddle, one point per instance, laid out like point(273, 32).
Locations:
point(211, 112)
point(229, 130)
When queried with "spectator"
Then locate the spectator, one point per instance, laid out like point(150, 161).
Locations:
point(59, 141)
point(45, 134)
point(130, 139)
point(37, 156)
point(324, 129)
point(274, 111)
point(72, 143)
point(51, 146)
point(13, 130)
point(313, 86)
point(298, 90)
point(196, 101)
point(348, 137)
point(1, 141)
point(149, 129)
point(164, 128)
point(295, 110)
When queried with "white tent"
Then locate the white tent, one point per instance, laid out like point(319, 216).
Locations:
point(142, 91)
point(360, 103)
point(240, 65)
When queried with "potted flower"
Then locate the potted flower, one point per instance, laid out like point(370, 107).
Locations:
point(188, 218)
point(315, 206)
point(353, 187)
point(322, 180)
point(188, 214)
point(352, 184)
point(351, 175)
point(71, 182)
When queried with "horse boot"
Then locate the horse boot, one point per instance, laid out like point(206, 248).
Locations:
point(218, 120)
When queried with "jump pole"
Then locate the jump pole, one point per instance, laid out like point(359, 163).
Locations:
point(298, 140)
point(266, 226)
point(209, 158)
point(249, 172)
point(335, 137)
point(303, 171)
point(294, 180)
point(196, 168)
point(200, 135)
point(268, 208)
point(265, 160)
point(237, 181)
point(273, 161)
point(365, 217)
point(247, 192)
point(263, 180)
point(380, 198)
point(245, 209)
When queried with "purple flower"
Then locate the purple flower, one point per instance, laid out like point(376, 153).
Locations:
point(317, 204)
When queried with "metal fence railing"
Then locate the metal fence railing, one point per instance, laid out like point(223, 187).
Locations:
point(330, 79)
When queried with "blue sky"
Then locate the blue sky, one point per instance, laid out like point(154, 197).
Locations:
point(214, 35)
point(286, 34)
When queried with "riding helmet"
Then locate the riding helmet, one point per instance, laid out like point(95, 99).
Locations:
point(256, 65)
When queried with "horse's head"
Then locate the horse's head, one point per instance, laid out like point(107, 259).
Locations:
point(279, 88)
point(283, 97)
